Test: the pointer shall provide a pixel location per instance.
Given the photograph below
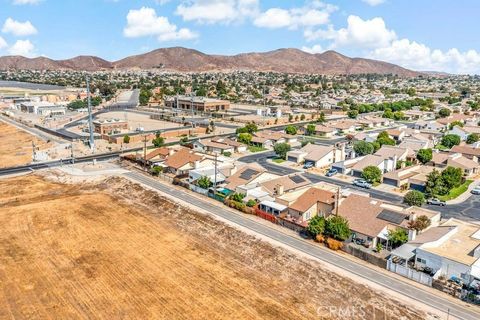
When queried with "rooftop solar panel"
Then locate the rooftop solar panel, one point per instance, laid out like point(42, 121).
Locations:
point(297, 179)
point(248, 174)
point(392, 216)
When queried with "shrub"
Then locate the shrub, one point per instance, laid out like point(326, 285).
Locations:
point(372, 174)
point(337, 228)
point(320, 238)
point(450, 140)
point(414, 198)
point(126, 138)
point(421, 223)
point(251, 203)
point(227, 154)
point(334, 244)
point(316, 226)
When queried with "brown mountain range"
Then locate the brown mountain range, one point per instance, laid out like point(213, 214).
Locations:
point(189, 60)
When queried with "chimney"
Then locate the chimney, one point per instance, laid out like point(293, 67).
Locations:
point(280, 189)
point(412, 234)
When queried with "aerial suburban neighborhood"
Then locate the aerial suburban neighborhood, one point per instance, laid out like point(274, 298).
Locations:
point(295, 183)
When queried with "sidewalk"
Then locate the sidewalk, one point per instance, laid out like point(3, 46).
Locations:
point(467, 194)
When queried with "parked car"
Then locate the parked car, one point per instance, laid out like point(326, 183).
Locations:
point(308, 165)
point(331, 172)
point(436, 202)
point(476, 190)
point(362, 183)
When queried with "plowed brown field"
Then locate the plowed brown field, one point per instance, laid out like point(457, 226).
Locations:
point(15, 146)
point(115, 251)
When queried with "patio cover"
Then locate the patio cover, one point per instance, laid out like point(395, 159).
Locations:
point(405, 252)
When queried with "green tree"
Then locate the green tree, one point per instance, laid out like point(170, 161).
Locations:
point(399, 115)
point(434, 184)
point(397, 237)
point(450, 140)
point(310, 130)
point(126, 139)
point(424, 155)
point(444, 112)
point(388, 114)
point(456, 123)
point(291, 130)
point(472, 138)
point(452, 177)
point(237, 197)
point(414, 198)
point(248, 128)
point(352, 114)
point(337, 227)
point(281, 149)
point(316, 226)
point(384, 139)
point(158, 141)
point(372, 174)
point(321, 117)
point(362, 148)
point(245, 138)
point(204, 182)
point(144, 97)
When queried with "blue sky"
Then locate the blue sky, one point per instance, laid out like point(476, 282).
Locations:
point(436, 35)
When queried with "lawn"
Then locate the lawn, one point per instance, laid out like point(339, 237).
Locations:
point(441, 147)
point(278, 160)
point(255, 149)
point(455, 192)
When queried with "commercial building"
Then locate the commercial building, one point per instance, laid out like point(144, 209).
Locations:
point(199, 104)
point(111, 126)
point(42, 108)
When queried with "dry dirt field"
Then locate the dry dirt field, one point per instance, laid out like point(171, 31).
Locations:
point(16, 146)
point(113, 250)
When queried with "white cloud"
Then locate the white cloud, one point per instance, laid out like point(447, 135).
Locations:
point(359, 33)
point(418, 56)
point(19, 28)
point(22, 2)
point(313, 14)
point(22, 48)
point(373, 3)
point(3, 43)
point(314, 49)
point(217, 11)
point(145, 22)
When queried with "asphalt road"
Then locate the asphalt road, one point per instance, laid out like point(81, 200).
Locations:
point(403, 287)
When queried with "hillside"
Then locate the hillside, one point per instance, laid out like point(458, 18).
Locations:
point(189, 60)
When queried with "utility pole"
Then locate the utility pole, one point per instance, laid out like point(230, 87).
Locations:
point(34, 151)
point(71, 153)
point(90, 119)
point(215, 175)
point(337, 201)
point(145, 152)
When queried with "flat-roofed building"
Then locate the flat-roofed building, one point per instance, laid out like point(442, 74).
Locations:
point(110, 126)
point(200, 104)
point(43, 108)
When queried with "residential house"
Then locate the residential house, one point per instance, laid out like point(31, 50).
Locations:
point(456, 160)
point(451, 249)
point(385, 164)
point(400, 154)
point(396, 134)
point(212, 147)
point(314, 201)
point(414, 177)
point(320, 156)
point(467, 151)
point(182, 161)
point(324, 131)
point(371, 220)
point(250, 173)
